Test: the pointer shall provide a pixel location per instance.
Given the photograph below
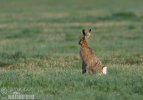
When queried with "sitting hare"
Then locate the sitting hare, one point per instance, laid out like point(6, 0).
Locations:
point(90, 63)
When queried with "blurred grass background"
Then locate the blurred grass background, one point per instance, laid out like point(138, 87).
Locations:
point(39, 48)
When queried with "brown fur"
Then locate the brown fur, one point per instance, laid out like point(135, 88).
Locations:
point(90, 62)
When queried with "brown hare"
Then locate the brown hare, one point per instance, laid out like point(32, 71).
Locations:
point(90, 63)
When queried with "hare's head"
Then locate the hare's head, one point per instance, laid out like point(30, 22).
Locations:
point(86, 34)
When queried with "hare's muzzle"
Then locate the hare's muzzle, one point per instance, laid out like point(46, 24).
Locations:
point(79, 42)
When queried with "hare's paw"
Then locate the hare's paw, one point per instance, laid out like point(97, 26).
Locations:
point(104, 70)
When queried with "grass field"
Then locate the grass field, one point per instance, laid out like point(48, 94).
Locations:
point(39, 51)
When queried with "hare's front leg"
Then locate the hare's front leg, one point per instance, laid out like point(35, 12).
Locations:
point(84, 67)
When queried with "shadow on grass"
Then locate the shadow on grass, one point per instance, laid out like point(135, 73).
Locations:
point(4, 64)
point(24, 33)
point(118, 16)
point(10, 59)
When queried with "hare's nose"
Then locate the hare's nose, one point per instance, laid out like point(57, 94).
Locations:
point(79, 42)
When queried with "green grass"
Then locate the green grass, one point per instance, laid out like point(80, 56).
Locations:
point(39, 49)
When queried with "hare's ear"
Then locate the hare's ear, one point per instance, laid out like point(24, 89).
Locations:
point(83, 32)
point(89, 30)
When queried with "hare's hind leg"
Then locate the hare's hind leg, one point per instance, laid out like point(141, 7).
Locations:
point(84, 67)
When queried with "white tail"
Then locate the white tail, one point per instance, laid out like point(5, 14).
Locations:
point(104, 70)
